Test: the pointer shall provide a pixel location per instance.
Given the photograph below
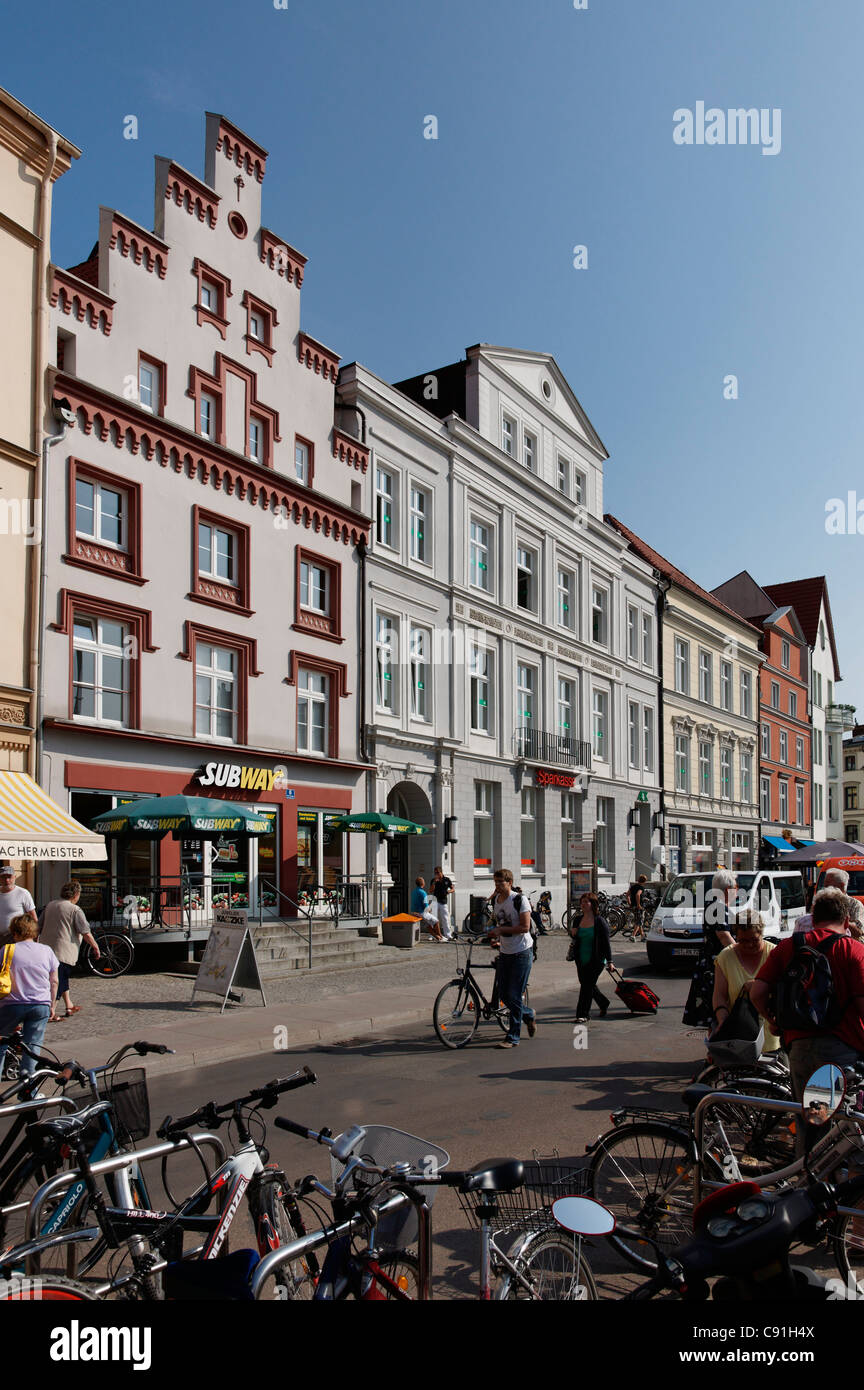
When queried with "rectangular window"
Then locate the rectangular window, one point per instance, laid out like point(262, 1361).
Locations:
point(568, 824)
point(526, 579)
point(526, 687)
point(604, 838)
point(706, 777)
point(799, 805)
point(314, 587)
point(385, 496)
point(851, 833)
point(256, 326)
point(563, 475)
point(600, 729)
point(208, 297)
point(817, 688)
point(682, 763)
point(100, 513)
point(600, 616)
point(765, 798)
point(508, 435)
point(566, 702)
point(849, 762)
point(785, 654)
point(793, 704)
point(633, 733)
point(726, 685)
point(480, 554)
point(386, 663)
point(529, 451)
point(215, 692)
point(481, 690)
point(746, 777)
point(706, 677)
point(150, 385)
point(674, 849)
point(775, 695)
point(421, 646)
point(256, 439)
point(207, 416)
point(832, 804)
point(217, 553)
point(632, 632)
point(766, 740)
point(566, 599)
point(850, 798)
point(648, 738)
point(528, 827)
point(419, 509)
point(682, 666)
point(799, 752)
point(784, 746)
point(747, 694)
point(484, 800)
point(312, 711)
point(302, 454)
point(726, 774)
point(578, 488)
point(647, 640)
point(818, 802)
point(784, 800)
point(100, 671)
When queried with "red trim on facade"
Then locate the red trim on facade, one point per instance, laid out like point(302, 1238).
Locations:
point(281, 257)
point(137, 619)
point(328, 626)
point(190, 193)
point(268, 313)
point(350, 450)
point(88, 304)
point(124, 424)
point(220, 595)
point(243, 151)
point(92, 555)
point(222, 284)
point(202, 383)
point(145, 248)
point(317, 357)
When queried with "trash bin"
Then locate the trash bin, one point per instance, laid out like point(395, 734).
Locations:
point(402, 930)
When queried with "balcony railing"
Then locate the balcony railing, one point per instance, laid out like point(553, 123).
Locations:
point(840, 717)
point(558, 749)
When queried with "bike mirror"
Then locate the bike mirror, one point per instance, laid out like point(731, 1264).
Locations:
point(823, 1094)
point(583, 1216)
point(344, 1146)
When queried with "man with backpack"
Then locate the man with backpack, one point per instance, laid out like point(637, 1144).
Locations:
point(811, 989)
point(512, 932)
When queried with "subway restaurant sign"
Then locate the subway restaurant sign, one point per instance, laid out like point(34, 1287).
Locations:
point(252, 779)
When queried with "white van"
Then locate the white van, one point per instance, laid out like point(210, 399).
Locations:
point(676, 930)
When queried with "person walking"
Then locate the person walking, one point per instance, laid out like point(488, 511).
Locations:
point(736, 967)
point(441, 887)
point(512, 933)
point(422, 906)
point(592, 952)
point(64, 927)
point(699, 1009)
point(634, 893)
point(34, 970)
point(843, 1042)
point(13, 901)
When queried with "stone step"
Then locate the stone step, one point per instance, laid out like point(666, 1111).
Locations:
point(328, 950)
point(322, 964)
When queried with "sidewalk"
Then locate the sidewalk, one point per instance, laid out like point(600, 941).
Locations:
point(304, 1012)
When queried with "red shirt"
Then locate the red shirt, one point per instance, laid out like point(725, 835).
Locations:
point(847, 971)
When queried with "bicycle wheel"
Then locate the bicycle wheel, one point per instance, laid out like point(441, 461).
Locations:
point(45, 1289)
point(21, 1187)
point(276, 1218)
point(404, 1269)
point(456, 1014)
point(556, 1266)
point(616, 918)
point(644, 1174)
point(116, 954)
point(761, 1141)
point(848, 1238)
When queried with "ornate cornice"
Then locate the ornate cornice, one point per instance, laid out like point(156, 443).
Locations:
point(350, 451)
point(145, 248)
point(121, 423)
point(193, 195)
point(243, 151)
point(315, 356)
point(281, 257)
point(88, 304)
point(706, 732)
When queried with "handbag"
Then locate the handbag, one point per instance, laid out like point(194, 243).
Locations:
point(6, 971)
point(740, 1037)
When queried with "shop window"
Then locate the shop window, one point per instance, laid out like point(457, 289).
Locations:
point(484, 826)
point(604, 835)
point(528, 829)
point(104, 523)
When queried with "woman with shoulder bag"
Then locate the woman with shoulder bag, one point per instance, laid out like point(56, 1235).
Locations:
point(591, 949)
point(735, 969)
point(32, 997)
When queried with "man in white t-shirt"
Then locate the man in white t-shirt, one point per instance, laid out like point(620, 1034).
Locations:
point(512, 932)
point(13, 901)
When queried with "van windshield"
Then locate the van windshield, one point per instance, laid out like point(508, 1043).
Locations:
point(688, 890)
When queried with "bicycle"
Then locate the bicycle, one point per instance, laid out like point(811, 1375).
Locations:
point(116, 953)
point(461, 1005)
point(612, 909)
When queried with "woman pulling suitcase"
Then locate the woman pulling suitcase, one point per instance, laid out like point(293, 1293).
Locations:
point(591, 949)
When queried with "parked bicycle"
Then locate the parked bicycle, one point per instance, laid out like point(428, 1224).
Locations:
point(461, 1006)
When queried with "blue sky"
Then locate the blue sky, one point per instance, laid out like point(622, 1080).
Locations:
point(555, 129)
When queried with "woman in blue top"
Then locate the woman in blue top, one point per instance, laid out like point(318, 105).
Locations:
point(420, 908)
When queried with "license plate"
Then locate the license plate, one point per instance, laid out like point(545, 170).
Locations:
point(685, 951)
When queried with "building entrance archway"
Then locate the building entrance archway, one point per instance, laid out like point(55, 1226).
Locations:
point(409, 855)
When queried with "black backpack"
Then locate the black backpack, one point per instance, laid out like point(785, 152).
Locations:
point(805, 998)
point(522, 904)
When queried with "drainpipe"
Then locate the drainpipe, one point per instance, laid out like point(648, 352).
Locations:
point(40, 636)
point(663, 587)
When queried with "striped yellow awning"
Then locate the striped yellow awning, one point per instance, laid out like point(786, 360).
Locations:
point(32, 826)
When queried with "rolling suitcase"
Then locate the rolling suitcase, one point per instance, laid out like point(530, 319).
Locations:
point(636, 995)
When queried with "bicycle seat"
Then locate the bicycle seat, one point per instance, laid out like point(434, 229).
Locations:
point(65, 1129)
point(694, 1094)
point(501, 1175)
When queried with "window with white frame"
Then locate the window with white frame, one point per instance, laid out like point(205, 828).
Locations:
point(526, 579)
point(647, 640)
point(785, 654)
point(793, 704)
point(481, 690)
point(480, 556)
point(312, 711)
point(832, 803)
point(682, 666)
point(817, 688)
point(526, 695)
point(207, 415)
point(674, 838)
point(747, 694)
point(705, 677)
point(568, 824)
point(765, 798)
point(385, 507)
point(528, 828)
point(632, 632)
point(217, 553)
point(799, 804)
point(648, 738)
point(633, 733)
point(799, 752)
point(100, 513)
point(746, 772)
point(566, 705)
point(600, 615)
point(784, 799)
point(256, 439)
point(600, 725)
point(706, 771)
point(817, 747)
point(484, 801)
point(100, 670)
point(564, 475)
point(419, 511)
point(818, 800)
point(766, 740)
point(567, 599)
point(604, 836)
point(784, 746)
point(775, 695)
point(216, 692)
point(726, 774)
point(301, 461)
point(578, 487)
point(386, 663)
point(420, 649)
point(208, 297)
point(682, 763)
point(508, 435)
point(149, 385)
point(529, 451)
point(726, 685)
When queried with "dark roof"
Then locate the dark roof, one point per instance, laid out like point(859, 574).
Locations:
point(806, 596)
point(653, 557)
point(88, 270)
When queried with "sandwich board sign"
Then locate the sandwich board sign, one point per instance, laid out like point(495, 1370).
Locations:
point(229, 958)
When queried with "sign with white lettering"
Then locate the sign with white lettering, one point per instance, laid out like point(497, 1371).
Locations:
point(229, 958)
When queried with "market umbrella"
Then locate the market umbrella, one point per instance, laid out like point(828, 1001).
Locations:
point(380, 822)
point(195, 817)
point(823, 849)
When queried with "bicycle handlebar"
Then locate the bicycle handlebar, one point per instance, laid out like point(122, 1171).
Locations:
point(211, 1114)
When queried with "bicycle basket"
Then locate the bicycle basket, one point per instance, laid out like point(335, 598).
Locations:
point(385, 1146)
point(130, 1105)
point(545, 1180)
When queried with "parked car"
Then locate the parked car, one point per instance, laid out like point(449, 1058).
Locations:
point(676, 931)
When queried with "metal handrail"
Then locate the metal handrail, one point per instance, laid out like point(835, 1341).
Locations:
point(302, 912)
